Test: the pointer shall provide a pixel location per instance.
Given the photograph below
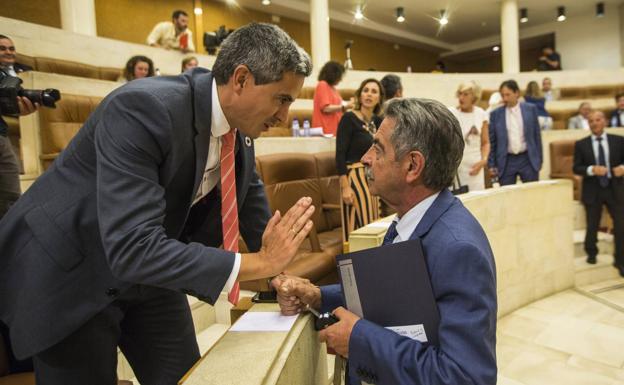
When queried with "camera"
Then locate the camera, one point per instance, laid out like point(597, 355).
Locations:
point(10, 89)
point(212, 40)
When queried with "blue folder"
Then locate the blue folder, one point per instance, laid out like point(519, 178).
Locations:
point(390, 286)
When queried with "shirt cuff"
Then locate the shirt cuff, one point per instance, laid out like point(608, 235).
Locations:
point(234, 274)
point(590, 170)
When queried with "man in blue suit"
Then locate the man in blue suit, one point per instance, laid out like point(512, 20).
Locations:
point(515, 138)
point(412, 162)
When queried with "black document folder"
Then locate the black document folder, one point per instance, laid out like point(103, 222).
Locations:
point(390, 286)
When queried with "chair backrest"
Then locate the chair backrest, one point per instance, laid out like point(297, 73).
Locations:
point(306, 93)
point(562, 157)
point(346, 93)
point(329, 181)
point(26, 60)
point(288, 177)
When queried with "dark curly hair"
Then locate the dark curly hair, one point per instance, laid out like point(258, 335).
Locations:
point(331, 73)
point(128, 73)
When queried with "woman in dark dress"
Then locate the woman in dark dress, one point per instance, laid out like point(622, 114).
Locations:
point(354, 137)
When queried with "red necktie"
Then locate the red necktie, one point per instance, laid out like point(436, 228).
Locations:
point(229, 210)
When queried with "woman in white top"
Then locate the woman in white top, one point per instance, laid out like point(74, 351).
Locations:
point(474, 124)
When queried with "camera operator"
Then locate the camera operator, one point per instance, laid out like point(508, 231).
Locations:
point(9, 168)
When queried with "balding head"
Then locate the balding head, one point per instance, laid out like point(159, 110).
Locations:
point(597, 122)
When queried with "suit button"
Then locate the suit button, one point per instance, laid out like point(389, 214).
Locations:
point(112, 292)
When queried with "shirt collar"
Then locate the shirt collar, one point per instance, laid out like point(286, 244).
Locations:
point(410, 220)
point(603, 136)
point(219, 125)
point(515, 108)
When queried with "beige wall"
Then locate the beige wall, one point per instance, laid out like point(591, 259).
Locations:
point(131, 20)
point(45, 12)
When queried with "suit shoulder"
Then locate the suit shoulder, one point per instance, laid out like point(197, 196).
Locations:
point(457, 224)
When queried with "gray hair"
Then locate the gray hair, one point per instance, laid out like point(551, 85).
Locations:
point(429, 127)
point(265, 49)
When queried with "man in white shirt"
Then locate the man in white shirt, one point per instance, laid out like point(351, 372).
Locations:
point(549, 92)
point(413, 160)
point(515, 138)
point(599, 159)
point(581, 120)
point(173, 34)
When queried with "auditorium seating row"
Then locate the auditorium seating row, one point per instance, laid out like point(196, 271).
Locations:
point(66, 67)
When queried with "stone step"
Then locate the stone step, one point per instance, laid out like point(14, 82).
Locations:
point(604, 244)
point(603, 270)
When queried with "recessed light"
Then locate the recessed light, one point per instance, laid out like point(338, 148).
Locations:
point(496, 48)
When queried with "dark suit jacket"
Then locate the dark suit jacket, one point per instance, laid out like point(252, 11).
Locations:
point(463, 278)
point(614, 120)
point(584, 157)
point(498, 137)
point(110, 212)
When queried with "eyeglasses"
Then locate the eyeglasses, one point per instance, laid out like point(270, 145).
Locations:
point(5, 48)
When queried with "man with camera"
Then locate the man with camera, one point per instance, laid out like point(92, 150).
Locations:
point(9, 168)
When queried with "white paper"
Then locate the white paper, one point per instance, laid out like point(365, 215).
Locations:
point(415, 332)
point(258, 321)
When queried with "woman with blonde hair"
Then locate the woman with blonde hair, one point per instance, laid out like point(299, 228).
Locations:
point(474, 124)
point(533, 95)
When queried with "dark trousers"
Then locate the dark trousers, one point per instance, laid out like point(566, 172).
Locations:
point(518, 165)
point(9, 176)
point(153, 328)
point(594, 212)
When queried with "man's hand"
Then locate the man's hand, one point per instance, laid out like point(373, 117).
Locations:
point(599, 170)
point(26, 107)
point(295, 294)
point(280, 241)
point(337, 335)
point(618, 171)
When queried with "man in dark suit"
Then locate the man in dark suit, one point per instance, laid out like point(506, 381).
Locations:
point(599, 158)
point(515, 138)
point(412, 162)
point(102, 248)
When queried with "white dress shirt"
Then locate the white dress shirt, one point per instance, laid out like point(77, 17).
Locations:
point(10, 70)
point(516, 142)
point(164, 34)
point(605, 147)
point(219, 126)
point(408, 222)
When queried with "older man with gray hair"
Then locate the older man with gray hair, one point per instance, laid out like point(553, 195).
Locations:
point(101, 250)
point(412, 162)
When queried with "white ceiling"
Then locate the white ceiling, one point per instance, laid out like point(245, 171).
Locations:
point(468, 19)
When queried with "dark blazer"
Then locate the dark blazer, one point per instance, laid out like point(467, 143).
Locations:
point(614, 120)
point(463, 278)
point(584, 157)
point(498, 137)
point(111, 210)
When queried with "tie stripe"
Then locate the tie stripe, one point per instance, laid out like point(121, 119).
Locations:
point(229, 209)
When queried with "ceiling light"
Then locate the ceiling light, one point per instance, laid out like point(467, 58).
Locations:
point(443, 19)
point(496, 48)
point(198, 11)
point(358, 14)
point(524, 15)
point(400, 13)
point(561, 14)
point(600, 10)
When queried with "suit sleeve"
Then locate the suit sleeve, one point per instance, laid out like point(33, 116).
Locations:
point(331, 297)
point(580, 163)
point(466, 296)
point(538, 137)
point(492, 134)
point(132, 139)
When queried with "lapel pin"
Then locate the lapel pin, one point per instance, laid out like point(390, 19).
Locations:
point(248, 141)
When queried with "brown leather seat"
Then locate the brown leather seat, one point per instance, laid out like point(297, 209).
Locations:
point(573, 93)
point(287, 177)
point(66, 67)
point(346, 93)
point(561, 117)
point(306, 93)
point(561, 162)
point(59, 125)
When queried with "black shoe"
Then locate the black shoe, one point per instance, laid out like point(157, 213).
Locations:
point(591, 259)
point(620, 269)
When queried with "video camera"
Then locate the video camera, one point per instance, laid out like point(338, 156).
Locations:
point(10, 89)
point(212, 40)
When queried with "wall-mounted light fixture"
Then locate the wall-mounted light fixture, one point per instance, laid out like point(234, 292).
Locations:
point(400, 14)
point(561, 14)
point(524, 15)
point(600, 10)
point(443, 17)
